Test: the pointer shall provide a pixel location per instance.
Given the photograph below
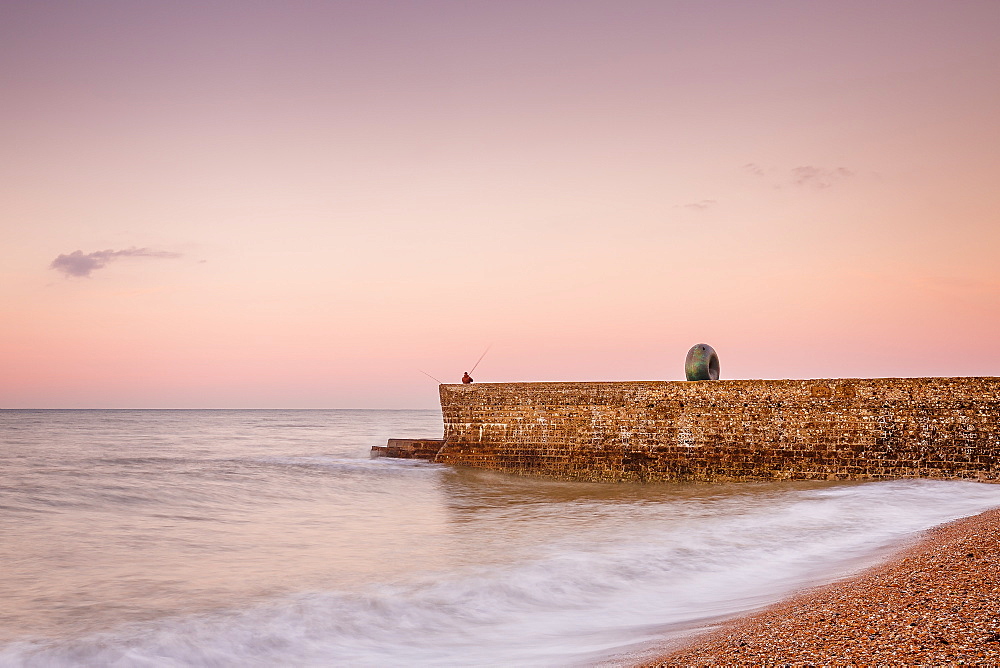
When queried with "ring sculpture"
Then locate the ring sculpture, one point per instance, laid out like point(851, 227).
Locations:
point(702, 363)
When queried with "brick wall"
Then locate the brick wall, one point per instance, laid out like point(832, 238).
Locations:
point(728, 430)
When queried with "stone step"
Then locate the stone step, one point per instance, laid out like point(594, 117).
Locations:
point(408, 448)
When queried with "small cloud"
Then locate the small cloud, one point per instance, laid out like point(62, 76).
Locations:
point(806, 176)
point(700, 205)
point(819, 177)
point(82, 265)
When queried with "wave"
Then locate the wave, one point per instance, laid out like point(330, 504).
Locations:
point(347, 465)
point(577, 603)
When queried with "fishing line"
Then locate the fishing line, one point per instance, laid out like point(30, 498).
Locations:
point(440, 382)
point(480, 358)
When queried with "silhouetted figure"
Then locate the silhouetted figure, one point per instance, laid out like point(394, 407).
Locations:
point(466, 378)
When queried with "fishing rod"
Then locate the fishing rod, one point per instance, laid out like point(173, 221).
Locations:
point(480, 358)
point(440, 382)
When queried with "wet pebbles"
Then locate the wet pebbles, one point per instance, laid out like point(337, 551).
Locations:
point(937, 603)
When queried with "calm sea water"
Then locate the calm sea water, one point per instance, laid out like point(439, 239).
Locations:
point(267, 538)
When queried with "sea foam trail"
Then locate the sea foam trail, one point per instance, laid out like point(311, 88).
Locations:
point(576, 604)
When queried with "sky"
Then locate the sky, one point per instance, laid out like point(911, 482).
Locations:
point(337, 204)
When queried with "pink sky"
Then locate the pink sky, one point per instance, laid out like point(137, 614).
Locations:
point(306, 203)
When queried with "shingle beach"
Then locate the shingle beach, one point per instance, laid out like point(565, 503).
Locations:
point(937, 603)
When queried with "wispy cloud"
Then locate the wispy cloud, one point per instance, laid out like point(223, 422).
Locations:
point(700, 205)
point(819, 177)
point(82, 264)
point(805, 176)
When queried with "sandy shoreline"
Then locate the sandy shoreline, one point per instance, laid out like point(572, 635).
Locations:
point(936, 603)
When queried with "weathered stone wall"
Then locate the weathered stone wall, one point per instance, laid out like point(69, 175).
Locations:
point(728, 430)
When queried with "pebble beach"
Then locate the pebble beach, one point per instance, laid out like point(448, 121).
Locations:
point(936, 603)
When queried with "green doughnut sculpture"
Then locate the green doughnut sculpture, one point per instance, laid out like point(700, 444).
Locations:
point(702, 363)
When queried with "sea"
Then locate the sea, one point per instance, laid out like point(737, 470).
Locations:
point(271, 538)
